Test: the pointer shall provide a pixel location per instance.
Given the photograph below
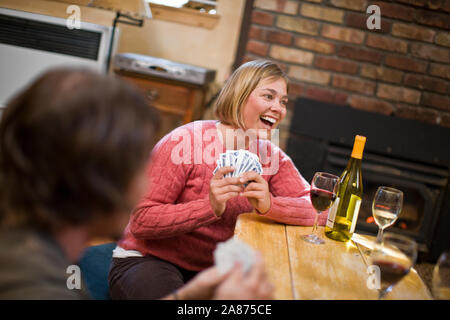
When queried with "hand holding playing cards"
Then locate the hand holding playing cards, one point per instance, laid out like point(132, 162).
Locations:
point(244, 169)
point(223, 189)
point(257, 191)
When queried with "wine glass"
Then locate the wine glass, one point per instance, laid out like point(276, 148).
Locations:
point(386, 207)
point(323, 192)
point(394, 256)
point(441, 277)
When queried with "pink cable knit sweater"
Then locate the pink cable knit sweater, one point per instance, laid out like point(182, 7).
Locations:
point(175, 221)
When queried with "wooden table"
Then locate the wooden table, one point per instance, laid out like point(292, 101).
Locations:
point(334, 270)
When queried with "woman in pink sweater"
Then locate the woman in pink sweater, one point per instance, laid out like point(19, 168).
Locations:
point(187, 210)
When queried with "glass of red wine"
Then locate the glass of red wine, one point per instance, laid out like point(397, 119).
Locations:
point(394, 257)
point(323, 192)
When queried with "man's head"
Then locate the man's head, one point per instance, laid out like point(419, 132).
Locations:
point(71, 147)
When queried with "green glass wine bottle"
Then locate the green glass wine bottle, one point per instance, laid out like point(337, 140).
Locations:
point(343, 214)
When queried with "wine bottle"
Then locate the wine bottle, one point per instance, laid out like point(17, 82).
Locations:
point(343, 214)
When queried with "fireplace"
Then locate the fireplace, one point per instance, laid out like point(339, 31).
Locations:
point(405, 154)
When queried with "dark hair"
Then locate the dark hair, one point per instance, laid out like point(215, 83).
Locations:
point(70, 146)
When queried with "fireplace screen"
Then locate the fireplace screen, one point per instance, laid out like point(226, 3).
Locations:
point(422, 186)
point(408, 155)
point(409, 219)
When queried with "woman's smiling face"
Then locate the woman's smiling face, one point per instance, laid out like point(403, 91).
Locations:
point(266, 105)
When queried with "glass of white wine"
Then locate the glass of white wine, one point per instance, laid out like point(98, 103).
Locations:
point(386, 207)
point(441, 277)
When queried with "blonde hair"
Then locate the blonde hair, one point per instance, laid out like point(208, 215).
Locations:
point(239, 86)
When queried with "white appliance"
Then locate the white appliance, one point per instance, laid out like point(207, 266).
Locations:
point(32, 43)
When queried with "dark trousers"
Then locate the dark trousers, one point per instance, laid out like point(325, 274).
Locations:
point(145, 278)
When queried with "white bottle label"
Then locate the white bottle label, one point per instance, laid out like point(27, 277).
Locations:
point(332, 213)
point(355, 215)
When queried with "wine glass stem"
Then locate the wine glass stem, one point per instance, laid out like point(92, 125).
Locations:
point(379, 235)
point(383, 293)
point(316, 219)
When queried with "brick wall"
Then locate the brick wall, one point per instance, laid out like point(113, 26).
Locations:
point(401, 70)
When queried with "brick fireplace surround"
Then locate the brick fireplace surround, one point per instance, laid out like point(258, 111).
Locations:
point(329, 54)
point(401, 70)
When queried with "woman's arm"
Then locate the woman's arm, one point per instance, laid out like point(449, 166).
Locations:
point(158, 215)
point(284, 197)
point(290, 199)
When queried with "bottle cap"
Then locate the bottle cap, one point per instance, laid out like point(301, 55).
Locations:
point(358, 147)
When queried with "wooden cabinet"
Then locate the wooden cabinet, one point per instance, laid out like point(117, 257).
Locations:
point(178, 102)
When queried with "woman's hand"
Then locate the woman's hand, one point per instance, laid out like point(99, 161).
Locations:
point(223, 189)
point(257, 191)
